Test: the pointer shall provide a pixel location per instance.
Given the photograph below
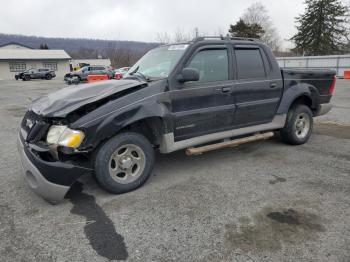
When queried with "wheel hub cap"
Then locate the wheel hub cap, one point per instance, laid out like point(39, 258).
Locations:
point(126, 162)
point(302, 125)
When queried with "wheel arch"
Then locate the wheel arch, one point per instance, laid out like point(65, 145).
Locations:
point(151, 127)
point(299, 94)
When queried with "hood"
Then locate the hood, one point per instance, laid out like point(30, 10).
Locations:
point(69, 99)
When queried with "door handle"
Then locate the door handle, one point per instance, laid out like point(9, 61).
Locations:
point(273, 85)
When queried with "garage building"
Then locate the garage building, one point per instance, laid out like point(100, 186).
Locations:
point(14, 60)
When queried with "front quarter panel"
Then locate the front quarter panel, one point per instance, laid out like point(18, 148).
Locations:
point(110, 118)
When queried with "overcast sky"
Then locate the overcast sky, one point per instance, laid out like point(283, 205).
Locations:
point(138, 20)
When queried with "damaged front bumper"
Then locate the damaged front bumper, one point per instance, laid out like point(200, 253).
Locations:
point(49, 179)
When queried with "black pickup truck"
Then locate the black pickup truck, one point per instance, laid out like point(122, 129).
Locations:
point(175, 97)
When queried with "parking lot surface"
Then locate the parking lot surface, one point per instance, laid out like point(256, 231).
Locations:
point(265, 201)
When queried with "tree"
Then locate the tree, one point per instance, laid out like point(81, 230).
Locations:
point(163, 38)
point(121, 57)
point(179, 36)
point(322, 29)
point(43, 46)
point(257, 14)
point(242, 29)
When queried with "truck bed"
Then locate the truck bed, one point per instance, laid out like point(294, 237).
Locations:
point(322, 80)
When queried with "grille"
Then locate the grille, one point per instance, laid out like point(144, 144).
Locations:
point(33, 126)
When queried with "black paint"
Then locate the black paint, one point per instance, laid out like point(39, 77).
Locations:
point(286, 217)
point(99, 228)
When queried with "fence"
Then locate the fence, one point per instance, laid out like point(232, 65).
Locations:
point(339, 63)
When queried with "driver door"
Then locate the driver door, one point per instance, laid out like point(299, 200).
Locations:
point(205, 106)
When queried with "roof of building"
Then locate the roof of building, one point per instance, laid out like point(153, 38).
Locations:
point(99, 61)
point(33, 54)
point(16, 43)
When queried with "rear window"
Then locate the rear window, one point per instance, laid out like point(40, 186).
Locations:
point(249, 63)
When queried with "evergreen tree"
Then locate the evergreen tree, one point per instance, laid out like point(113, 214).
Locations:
point(242, 29)
point(322, 29)
point(43, 46)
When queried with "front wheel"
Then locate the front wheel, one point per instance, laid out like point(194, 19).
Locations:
point(26, 78)
point(299, 125)
point(48, 77)
point(124, 163)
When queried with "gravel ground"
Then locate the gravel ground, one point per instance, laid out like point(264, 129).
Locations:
point(265, 201)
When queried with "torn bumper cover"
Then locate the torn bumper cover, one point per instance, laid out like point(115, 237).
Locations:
point(50, 180)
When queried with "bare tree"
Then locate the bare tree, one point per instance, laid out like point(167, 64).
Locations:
point(163, 38)
point(220, 31)
point(178, 36)
point(121, 57)
point(257, 14)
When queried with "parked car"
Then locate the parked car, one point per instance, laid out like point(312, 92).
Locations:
point(175, 97)
point(120, 72)
point(40, 73)
point(84, 72)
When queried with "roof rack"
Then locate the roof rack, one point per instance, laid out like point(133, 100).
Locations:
point(221, 37)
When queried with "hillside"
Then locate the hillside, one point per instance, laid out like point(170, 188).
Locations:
point(77, 47)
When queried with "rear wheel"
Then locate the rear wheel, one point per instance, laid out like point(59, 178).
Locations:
point(124, 163)
point(299, 125)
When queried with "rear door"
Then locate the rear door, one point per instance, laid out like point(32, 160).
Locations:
point(205, 106)
point(256, 93)
point(34, 73)
point(98, 70)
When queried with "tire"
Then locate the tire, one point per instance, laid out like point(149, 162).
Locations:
point(26, 78)
point(48, 77)
point(299, 125)
point(124, 163)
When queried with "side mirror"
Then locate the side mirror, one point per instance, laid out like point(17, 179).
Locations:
point(188, 74)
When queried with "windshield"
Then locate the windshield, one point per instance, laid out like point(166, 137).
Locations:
point(85, 68)
point(159, 62)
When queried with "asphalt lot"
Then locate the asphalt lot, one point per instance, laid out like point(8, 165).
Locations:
point(265, 201)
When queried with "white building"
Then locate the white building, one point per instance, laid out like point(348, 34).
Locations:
point(338, 63)
point(16, 58)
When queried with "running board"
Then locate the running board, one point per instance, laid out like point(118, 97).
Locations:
point(199, 150)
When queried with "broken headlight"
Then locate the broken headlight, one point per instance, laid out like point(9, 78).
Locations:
point(64, 136)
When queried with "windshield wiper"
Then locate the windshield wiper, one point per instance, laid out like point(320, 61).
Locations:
point(139, 73)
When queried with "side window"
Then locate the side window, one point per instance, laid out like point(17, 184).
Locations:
point(212, 65)
point(249, 64)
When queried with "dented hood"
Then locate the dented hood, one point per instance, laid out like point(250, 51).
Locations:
point(69, 99)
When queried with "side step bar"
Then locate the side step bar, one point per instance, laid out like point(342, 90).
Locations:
point(199, 150)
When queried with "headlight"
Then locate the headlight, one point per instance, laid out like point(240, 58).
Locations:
point(64, 136)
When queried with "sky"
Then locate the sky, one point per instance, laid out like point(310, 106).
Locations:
point(137, 20)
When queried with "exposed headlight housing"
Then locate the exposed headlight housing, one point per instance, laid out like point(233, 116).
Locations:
point(64, 136)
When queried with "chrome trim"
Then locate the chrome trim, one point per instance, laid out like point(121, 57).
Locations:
point(168, 143)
